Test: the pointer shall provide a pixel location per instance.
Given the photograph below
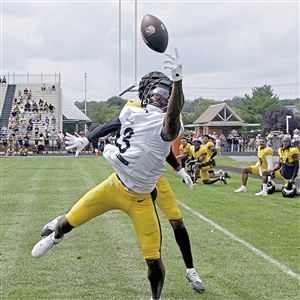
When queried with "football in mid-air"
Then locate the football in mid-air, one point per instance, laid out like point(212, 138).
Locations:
point(154, 33)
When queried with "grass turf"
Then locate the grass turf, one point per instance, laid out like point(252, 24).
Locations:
point(102, 259)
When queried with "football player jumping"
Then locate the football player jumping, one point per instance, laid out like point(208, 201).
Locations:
point(166, 199)
point(138, 159)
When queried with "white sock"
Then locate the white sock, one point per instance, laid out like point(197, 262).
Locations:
point(191, 270)
point(265, 187)
point(155, 299)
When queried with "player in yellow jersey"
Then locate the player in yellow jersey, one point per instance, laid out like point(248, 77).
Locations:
point(184, 150)
point(265, 161)
point(204, 155)
point(287, 167)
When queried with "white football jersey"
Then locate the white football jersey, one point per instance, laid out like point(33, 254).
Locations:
point(139, 155)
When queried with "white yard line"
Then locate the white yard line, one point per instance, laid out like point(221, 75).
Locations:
point(273, 261)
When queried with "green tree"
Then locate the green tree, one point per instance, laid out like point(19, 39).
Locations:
point(252, 108)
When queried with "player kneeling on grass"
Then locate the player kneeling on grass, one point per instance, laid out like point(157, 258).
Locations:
point(205, 154)
point(265, 161)
point(138, 160)
point(287, 168)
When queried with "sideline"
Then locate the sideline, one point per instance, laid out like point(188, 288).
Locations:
point(273, 261)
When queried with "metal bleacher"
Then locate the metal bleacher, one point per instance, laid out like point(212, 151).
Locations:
point(3, 88)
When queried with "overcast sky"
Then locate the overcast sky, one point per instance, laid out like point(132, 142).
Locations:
point(227, 47)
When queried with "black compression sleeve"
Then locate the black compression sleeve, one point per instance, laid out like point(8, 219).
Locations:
point(172, 161)
point(214, 153)
point(104, 130)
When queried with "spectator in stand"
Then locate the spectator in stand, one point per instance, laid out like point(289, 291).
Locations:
point(41, 144)
point(4, 80)
point(26, 141)
point(27, 106)
point(4, 130)
point(19, 142)
point(51, 108)
point(23, 151)
point(41, 104)
point(43, 87)
point(46, 143)
point(46, 107)
point(53, 88)
point(11, 140)
point(53, 120)
point(4, 143)
point(34, 107)
point(38, 116)
point(36, 132)
point(10, 151)
point(47, 121)
point(25, 92)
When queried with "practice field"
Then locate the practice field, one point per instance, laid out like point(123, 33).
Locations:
point(244, 247)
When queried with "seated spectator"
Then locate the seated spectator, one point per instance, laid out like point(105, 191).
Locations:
point(47, 121)
point(34, 106)
point(25, 92)
point(27, 106)
point(4, 80)
point(26, 141)
point(51, 108)
point(38, 116)
point(53, 120)
point(46, 107)
point(10, 151)
point(43, 87)
point(23, 151)
point(53, 87)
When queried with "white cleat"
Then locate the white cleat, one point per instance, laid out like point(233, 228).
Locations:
point(261, 193)
point(44, 245)
point(50, 227)
point(241, 189)
point(197, 283)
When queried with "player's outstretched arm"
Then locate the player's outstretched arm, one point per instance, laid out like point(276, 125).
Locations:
point(172, 123)
point(79, 143)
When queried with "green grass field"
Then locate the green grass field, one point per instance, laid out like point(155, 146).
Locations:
point(102, 259)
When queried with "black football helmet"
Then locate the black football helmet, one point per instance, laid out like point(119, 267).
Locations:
point(289, 190)
point(155, 88)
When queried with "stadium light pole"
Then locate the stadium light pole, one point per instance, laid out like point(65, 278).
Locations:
point(85, 111)
point(287, 123)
